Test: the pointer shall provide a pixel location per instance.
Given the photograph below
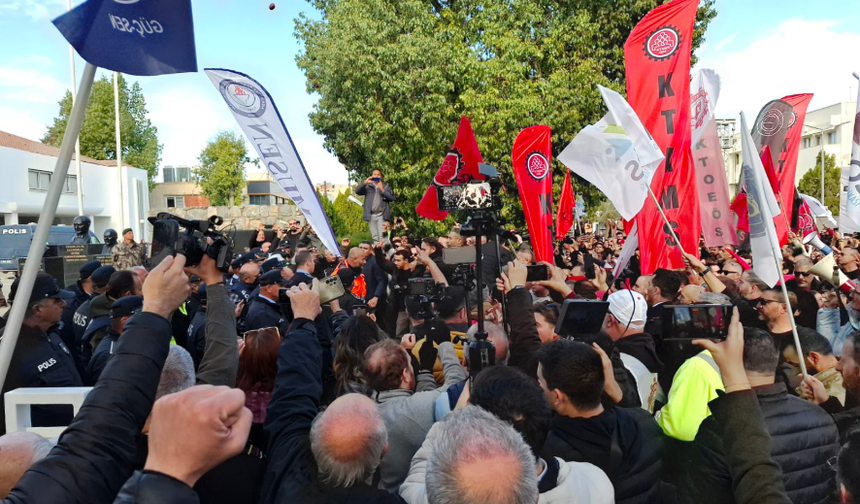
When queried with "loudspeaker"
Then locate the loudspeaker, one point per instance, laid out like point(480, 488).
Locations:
point(813, 239)
point(824, 269)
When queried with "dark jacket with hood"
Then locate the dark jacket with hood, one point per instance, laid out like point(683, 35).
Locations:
point(803, 438)
point(626, 443)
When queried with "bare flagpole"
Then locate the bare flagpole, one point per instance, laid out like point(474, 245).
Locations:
point(79, 176)
point(666, 220)
point(46, 218)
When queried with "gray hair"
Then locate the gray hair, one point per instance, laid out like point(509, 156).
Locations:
point(714, 298)
point(471, 435)
point(368, 428)
point(498, 336)
point(177, 374)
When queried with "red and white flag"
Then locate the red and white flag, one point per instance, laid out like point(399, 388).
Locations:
point(532, 162)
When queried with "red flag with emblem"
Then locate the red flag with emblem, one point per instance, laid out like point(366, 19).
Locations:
point(657, 61)
point(532, 161)
point(566, 204)
point(459, 166)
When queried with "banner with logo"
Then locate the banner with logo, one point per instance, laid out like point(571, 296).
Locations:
point(151, 37)
point(718, 223)
point(627, 251)
point(761, 207)
point(819, 211)
point(616, 154)
point(532, 162)
point(459, 167)
point(657, 60)
point(852, 197)
point(846, 223)
point(258, 116)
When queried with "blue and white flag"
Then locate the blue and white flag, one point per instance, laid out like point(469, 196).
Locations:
point(256, 113)
point(137, 37)
point(762, 209)
point(852, 207)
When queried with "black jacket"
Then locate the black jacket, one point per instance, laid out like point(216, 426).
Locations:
point(634, 470)
point(264, 313)
point(66, 330)
point(100, 357)
point(291, 476)
point(196, 343)
point(94, 456)
point(377, 280)
point(41, 360)
point(803, 438)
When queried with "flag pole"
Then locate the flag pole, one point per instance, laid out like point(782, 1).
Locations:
point(668, 226)
point(46, 218)
point(776, 255)
point(79, 180)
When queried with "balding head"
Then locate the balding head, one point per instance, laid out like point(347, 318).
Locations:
point(489, 463)
point(357, 257)
point(249, 272)
point(19, 451)
point(348, 440)
point(498, 336)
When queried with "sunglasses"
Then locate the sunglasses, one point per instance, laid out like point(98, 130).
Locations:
point(766, 301)
point(728, 272)
point(249, 335)
point(802, 273)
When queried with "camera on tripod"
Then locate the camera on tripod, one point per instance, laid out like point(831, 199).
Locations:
point(173, 235)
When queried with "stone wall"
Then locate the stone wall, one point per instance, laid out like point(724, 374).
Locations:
point(243, 217)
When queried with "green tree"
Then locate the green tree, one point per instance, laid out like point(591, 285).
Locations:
point(393, 78)
point(350, 216)
point(139, 138)
point(810, 183)
point(221, 174)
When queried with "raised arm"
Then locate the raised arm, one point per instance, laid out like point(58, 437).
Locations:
point(220, 361)
point(525, 341)
point(96, 453)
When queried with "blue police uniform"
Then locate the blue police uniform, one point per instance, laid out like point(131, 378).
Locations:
point(197, 337)
point(101, 355)
point(264, 312)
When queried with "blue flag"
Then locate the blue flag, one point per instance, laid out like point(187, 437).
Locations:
point(137, 37)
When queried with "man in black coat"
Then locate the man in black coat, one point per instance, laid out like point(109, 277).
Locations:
point(626, 443)
point(196, 343)
point(305, 267)
point(350, 430)
point(264, 310)
point(83, 290)
point(94, 456)
point(81, 318)
point(377, 283)
point(803, 437)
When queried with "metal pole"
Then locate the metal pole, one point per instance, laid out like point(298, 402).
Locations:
point(79, 176)
point(822, 168)
point(118, 150)
point(666, 220)
point(46, 218)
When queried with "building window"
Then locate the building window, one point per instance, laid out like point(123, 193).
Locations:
point(806, 143)
point(259, 199)
point(176, 174)
point(817, 140)
point(175, 201)
point(831, 137)
point(71, 184)
point(41, 180)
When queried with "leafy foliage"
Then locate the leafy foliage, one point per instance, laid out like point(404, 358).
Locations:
point(139, 138)
point(393, 78)
point(810, 183)
point(221, 174)
point(349, 215)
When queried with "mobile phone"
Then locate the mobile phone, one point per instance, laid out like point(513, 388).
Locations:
point(696, 321)
point(165, 234)
point(537, 273)
point(581, 316)
point(331, 287)
point(360, 310)
point(458, 255)
point(268, 226)
point(375, 179)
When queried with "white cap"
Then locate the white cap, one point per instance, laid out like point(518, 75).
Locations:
point(627, 305)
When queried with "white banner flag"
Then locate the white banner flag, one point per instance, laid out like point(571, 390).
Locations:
point(819, 211)
point(617, 155)
point(627, 251)
point(762, 207)
point(256, 113)
point(704, 93)
point(852, 201)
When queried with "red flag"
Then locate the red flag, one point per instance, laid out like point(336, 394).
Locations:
point(739, 206)
point(566, 204)
point(779, 221)
point(532, 161)
point(787, 162)
point(657, 60)
point(805, 220)
point(460, 166)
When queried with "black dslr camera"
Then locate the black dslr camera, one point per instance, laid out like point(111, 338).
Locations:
point(173, 235)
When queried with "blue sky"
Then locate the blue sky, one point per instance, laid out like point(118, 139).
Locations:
point(763, 49)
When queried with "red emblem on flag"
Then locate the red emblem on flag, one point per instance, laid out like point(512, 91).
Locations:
point(538, 165)
point(450, 168)
point(663, 43)
point(238, 91)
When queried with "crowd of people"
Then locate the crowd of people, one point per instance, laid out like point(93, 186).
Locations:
point(256, 385)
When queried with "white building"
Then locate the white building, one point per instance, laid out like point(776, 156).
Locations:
point(829, 128)
point(112, 198)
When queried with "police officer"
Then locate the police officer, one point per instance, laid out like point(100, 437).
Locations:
point(120, 311)
point(193, 302)
point(264, 310)
point(197, 329)
point(121, 284)
point(83, 290)
point(81, 318)
point(248, 275)
point(41, 359)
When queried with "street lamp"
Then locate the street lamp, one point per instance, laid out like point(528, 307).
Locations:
point(822, 131)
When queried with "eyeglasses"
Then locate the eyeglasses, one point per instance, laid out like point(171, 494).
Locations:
point(273, 331)
point(766, 301)
point(728, 272)
point(802, 273)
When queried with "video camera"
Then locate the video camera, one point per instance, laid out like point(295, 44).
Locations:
point(173, 235)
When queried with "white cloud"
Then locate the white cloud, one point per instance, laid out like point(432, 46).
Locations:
point(29, 85)
point(21, 122)
point(722, 44)
point(799, 56)
point(36, 10)
point(29, 93)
